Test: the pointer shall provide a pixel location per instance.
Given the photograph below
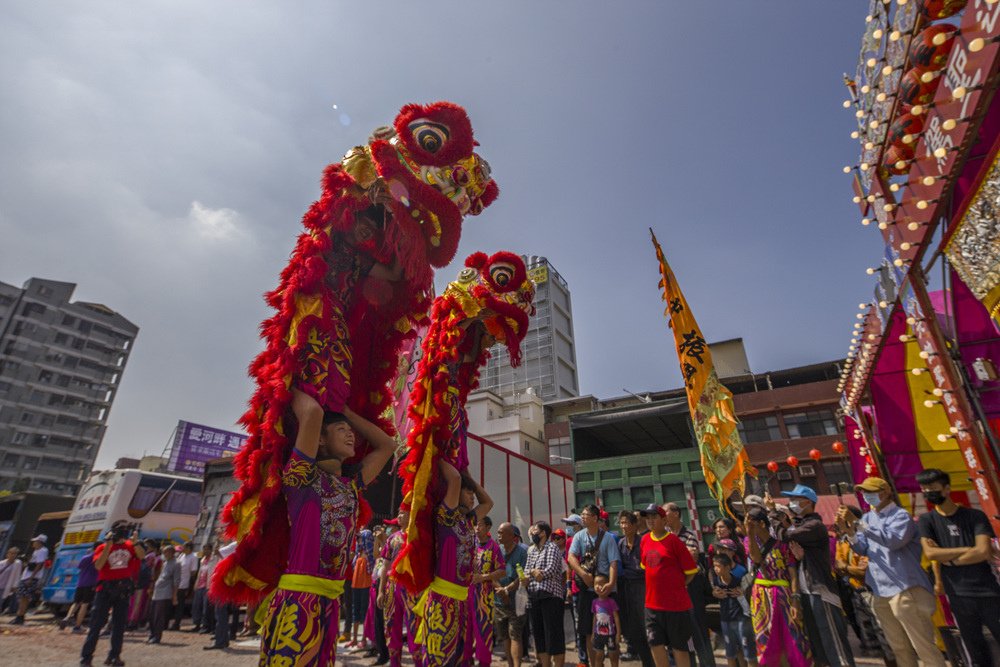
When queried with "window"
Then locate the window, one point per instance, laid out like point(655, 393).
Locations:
point(670, 469)
point(760, 429)
point(811, 423)
point(27, 417)
point(674, 493)
point(33, 309)
point(642, 496)
point(584, 477)
point(641, 471)
point(837, 472)
point(68, 320)
point(614, 499)
point(161, 494)
point(611, 474)
point(10, 460)
point(30, 462)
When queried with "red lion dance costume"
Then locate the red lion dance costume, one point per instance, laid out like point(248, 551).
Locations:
point(492, 294)
point(396, 202)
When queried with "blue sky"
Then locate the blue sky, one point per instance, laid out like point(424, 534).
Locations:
point(161, 156)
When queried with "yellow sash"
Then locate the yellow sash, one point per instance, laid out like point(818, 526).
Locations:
point(302, 583)
point(441, 587)
point(772, 582)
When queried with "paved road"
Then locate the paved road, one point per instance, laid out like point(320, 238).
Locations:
point(40, 643)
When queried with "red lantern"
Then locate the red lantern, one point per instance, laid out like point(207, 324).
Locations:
point(912, 90)
point(941, 9)
point(792, 461)
point(907, 124)
point(838, 447)
point(772, 466)
point(815, 454)
point(898, 153)
point(924, 52)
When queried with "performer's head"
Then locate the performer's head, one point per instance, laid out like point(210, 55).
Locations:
point(467, 496)
point(336, 439)
point(403, 517)
point(483, 528)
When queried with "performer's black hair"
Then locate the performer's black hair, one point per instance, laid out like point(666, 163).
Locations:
point(331, 417)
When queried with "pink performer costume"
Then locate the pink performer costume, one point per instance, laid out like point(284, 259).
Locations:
point(489, 559)
point(400, 610)
point(301, 626)
point(443, 606)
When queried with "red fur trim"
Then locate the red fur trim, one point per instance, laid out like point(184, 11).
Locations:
point(490, 194)
point(459, 143)
point(476, 260)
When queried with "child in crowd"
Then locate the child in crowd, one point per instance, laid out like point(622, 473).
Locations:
point(607, 624)
point(734, 611)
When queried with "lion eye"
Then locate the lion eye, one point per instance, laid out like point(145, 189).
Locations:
point(429, 136)
point(502, 274)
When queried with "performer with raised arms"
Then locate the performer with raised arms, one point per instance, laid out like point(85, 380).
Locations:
point(323, 498)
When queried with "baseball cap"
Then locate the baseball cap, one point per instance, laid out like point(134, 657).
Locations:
point(573, 519)
point(872, 484)
point(801, 491)
point(653, 508)
point(752, 501)
point(517, 532)
point(40, 538)
point(727, 544)
point(558, 532)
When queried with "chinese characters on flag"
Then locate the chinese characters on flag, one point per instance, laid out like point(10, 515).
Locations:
point(723, 458)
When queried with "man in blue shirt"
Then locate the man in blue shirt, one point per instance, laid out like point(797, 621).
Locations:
point(604, 556)
point(903, 598)
point(509, 625)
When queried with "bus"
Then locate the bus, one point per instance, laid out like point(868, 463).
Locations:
point(156, 505)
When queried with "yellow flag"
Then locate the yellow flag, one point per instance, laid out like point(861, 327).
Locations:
point(723, 458)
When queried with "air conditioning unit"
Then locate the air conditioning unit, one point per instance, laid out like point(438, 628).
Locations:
point(807, 471)
point(784, 475)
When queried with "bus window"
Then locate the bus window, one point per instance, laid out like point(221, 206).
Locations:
point(180, 501)
point(149, 492)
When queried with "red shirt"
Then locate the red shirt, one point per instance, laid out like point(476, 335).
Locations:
point(122, 562)
point(666, 562)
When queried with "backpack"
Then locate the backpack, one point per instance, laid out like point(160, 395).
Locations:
point(589, 560)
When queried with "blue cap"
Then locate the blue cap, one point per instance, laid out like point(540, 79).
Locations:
point(573, 519)
point(802, 491)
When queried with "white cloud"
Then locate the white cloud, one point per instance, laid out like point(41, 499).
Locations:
point(214, 223)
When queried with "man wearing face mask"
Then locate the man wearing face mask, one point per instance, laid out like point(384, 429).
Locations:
point(821, 604)
point(902, 595)
point(959, 539)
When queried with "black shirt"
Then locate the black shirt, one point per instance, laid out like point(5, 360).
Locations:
point(955, 531)
point(730, 609)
